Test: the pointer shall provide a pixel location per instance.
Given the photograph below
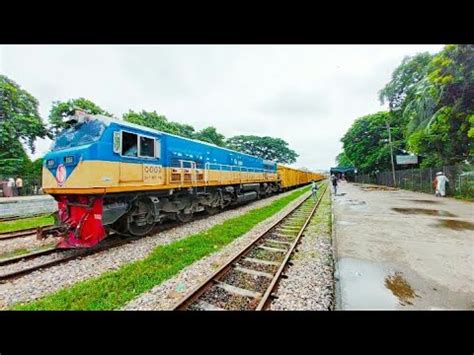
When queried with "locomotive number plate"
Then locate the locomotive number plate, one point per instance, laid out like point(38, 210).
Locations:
point(152, 174)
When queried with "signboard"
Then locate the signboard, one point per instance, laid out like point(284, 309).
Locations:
point(407, 159)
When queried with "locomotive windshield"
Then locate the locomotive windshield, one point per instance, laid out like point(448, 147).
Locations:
point(80, 134)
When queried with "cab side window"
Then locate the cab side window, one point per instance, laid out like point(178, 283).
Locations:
point(129, 144)
point(147, 147)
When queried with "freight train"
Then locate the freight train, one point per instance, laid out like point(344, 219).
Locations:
point(110, 175)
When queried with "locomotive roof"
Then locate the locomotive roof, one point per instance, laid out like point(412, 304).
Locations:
point(108, 120)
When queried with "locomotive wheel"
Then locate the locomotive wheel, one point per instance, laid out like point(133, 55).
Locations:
point(184, 217)
point(212, 210)
point(140, 219)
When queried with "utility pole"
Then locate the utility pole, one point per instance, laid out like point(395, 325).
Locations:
point(391, 154)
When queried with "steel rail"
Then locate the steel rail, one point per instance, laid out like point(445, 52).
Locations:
point(26, 232)
point(192, 296)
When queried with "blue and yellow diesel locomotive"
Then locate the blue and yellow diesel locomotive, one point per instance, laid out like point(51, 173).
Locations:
point(108, 174)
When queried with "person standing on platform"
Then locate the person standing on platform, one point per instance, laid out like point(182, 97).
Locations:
point(441, 181)
point(19, 185)
point(334, 183)
point(11, 187)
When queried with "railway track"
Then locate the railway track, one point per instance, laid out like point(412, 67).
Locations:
point(26, 233)
point(66, 255)
point(70, 254)
point(249, 279)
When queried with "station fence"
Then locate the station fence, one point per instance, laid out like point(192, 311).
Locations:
point(461, 180)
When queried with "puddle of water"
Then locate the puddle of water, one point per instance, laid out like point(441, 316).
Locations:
point(362, 285)
point(420, 201)
point(455, 224)
point(424, 211)
point(400, 288)
point(353, 202)
point(377, 188)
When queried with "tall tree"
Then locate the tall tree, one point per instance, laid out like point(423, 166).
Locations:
point(439, 114)
point(61, 110)
point(268, 148)
point(400, 88)
point(343, 161)
point(20, 123)
point(210, 135)
point(158, 122)
point(366, 145)
point(184, 130)
point(19, 117)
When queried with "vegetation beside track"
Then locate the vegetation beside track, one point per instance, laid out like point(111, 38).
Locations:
point(24, 251)
point(114, 289)
point(26, 223)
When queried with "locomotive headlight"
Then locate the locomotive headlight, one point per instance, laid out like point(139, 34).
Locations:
point(68, 160)
point(50, 163)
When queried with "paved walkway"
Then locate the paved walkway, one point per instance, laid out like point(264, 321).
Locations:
point(398, 249)
point(26, 205)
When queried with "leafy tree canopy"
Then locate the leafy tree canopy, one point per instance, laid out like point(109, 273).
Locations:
point(404, 78)
point(211, 135)
point(19, 118)
point(159, 122)
point(268, 148)
point(431, 100)
point(439, 114)
point(61, 110)
point(366, 143)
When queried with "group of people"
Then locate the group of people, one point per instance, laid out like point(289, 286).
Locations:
point(315, 187)
point(14, 187)
point(439, 185)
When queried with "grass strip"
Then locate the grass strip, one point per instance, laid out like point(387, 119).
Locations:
point(114, 289)
point(24, 251)
point(25, 223)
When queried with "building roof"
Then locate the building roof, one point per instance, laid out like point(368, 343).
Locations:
point(338, 169)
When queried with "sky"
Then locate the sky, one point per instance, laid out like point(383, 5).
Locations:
point(308, 95)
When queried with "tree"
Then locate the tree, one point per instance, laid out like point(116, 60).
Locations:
point(365, 144)
point(19, 118)
point(342, 161)
point(158, 122)
point(439, 114)
point(184, 130)
point(268, 148)
point(210, 135)
point(404, 78)
point(19, 122)
point(61, 110)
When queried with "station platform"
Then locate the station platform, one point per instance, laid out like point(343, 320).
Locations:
point(397, 249)
point(26, 205)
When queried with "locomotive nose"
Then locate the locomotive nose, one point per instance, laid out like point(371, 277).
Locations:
point(61, 165)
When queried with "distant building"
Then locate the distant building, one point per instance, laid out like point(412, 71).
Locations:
point(349, 172)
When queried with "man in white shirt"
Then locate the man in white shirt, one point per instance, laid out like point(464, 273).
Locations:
point(441, 181)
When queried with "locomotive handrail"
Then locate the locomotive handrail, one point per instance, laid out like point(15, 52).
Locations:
point(233, 168)
point(193, 169)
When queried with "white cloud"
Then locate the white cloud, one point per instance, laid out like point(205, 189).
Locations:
point(307, 95)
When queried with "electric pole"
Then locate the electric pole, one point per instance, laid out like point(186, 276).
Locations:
point(391, 154)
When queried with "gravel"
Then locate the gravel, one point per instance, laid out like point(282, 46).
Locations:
point(42, 282)
point(168, 293)
point(310, 283)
